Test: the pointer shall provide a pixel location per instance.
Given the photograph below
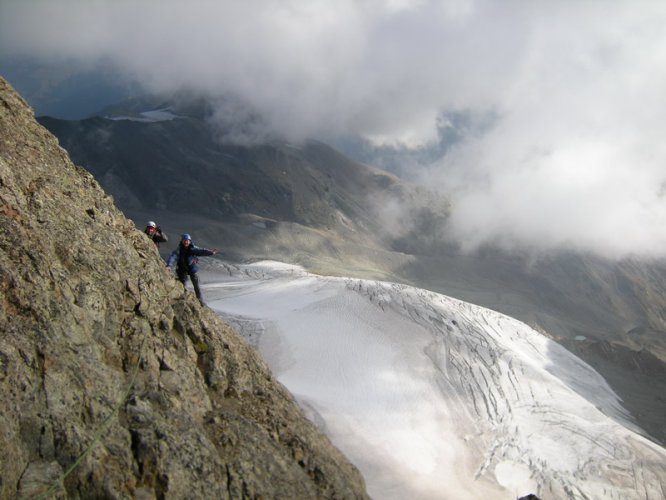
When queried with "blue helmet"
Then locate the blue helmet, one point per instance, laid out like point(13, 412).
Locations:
point(185, 236)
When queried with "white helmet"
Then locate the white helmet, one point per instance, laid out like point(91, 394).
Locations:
point(151, 224)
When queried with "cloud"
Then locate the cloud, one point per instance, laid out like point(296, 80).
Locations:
point(574, 158)
point(380, 67)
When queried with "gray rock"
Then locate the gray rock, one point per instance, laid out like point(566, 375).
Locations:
point(110, 368)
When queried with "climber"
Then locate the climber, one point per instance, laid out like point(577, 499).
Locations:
point(155, 233)
point(185, 257)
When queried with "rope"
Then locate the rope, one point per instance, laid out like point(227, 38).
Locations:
point(96, 437)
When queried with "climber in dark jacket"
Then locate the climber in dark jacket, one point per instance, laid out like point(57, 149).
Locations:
point(155, 233)
point(185, 257)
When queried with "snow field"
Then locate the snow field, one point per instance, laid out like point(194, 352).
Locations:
point(432, 397)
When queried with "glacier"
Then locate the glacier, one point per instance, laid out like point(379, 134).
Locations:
point(435, 398)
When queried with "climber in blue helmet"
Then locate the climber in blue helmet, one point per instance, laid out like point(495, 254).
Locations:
point(185, 257)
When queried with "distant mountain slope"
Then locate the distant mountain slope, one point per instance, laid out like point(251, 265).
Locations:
point(275, 199)
point(312, 206)
point(114, 381)
point(179, 166)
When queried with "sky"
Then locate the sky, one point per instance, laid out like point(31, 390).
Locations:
point(574, 157)
point(434, 398)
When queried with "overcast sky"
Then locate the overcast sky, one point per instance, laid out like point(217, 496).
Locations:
point(575, 159)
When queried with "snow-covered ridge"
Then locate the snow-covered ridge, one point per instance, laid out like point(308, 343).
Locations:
point(432, 397)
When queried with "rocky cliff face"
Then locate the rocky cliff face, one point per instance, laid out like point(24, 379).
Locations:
point(115, 382)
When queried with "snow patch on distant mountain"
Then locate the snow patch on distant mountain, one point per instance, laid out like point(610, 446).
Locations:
point(156, 115)
point(432, 397)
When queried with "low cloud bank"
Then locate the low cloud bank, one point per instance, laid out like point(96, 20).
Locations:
point(574, 158)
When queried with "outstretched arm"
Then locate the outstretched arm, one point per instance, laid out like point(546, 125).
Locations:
point(203, 252)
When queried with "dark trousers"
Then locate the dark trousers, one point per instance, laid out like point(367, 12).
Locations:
point(182, 276)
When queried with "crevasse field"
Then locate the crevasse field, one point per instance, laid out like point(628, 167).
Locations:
point(434, 398)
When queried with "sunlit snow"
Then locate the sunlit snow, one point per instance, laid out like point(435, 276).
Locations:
point(431, 397)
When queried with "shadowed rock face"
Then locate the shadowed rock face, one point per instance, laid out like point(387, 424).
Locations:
point(109, 366)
